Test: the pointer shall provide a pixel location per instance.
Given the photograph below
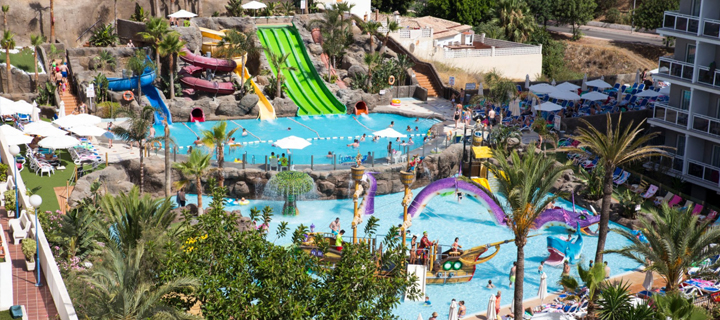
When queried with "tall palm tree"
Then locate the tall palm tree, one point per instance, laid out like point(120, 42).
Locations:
point(238, 44)
point(371, 28)
point(525, 182)
point(36, 41)
point(137, 131)
point(167, 143)
point(170, 46)
point(372, 60)
point(138, 63)
point(5, 9)
point(615, 147)
point(196, 166)
point(118, 289)
point(155, 30)
point(279, 63)
point(514, 17)
point(199, 7)
point(592, 278)
point(217, 138)
point(676, 239)
point(342, 8)
point(52, 20)
point(404, 63)
point(391, 26)
point(8, 42)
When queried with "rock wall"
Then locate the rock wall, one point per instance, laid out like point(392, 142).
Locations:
point(22, 82)
point(250, 183)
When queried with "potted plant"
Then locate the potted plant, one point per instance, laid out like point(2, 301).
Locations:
point(29, 250)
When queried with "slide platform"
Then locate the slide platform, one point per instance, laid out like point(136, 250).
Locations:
point(162, 111)
point(304, 86)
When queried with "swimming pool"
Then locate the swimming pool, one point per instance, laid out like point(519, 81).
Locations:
point(327, 133)
point(444, 219)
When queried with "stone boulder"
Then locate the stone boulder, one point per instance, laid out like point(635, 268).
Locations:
point(348, 61)
point(284, 107)
point(315, 49)
point(113, 179)
point(180, 108)
point(356, 69)
point(262, 81)
point(248, 103)
point(230, 110)
point(192, 37)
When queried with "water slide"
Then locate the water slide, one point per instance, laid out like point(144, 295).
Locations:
point(551, 216)
point(304, 86)
point(367, 206)
point(162, 111)
point(420, 271)
point(561, 249)
point(267, 112)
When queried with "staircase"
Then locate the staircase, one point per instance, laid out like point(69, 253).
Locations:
point(425, 73)
point(425, 82)
point(71, 102)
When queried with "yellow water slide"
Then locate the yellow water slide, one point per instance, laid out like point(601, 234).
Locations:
point(267, 112)
point(482, 182)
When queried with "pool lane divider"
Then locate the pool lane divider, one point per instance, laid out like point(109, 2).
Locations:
point(358, 121)
point(241, 127)
point(191, 130)
point(318, 135)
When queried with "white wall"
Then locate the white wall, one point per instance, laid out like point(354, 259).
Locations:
point(447, 41)
point(6, 276)
point(361, 7)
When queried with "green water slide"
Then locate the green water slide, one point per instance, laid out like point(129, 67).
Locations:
point(304, 86)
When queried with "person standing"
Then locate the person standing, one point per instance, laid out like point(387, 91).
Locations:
point(491, 117)
point(607, 270)
point(513, 270)
point(462, 310)
point(434, 316)
point(335, 226)
point(339, 240)
point(497, 302)
point(181, 197)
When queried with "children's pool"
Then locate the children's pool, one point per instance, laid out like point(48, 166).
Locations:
point(445, 218)
point(325, 133)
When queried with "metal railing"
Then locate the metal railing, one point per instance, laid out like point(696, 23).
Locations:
point(711, 28)
point(706, 125)
point(704, 171)
point(676, 68)
point(705, 76)
point(670, 114)
point(681, 22)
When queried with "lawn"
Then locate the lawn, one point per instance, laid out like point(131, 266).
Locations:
point(44, 185)
point(5, 315)
point(25, 60)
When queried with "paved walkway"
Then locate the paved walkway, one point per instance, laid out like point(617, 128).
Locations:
point(37, 300)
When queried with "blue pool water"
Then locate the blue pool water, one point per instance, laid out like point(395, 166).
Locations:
point(444, 219)
point(335, 133)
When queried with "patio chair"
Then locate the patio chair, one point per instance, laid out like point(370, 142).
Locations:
point(641, 87)
point(616, 87)
point(624, 176)
point(698, 208)
point(640, 187)
point(651, 191)
point(617, 173)
point(687, 204)
point(273, 163)
point(674, 201)
point(665, 199)
point(712, 215)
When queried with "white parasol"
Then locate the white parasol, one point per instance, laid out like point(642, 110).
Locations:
point(58, 142)
point(389, 133)
point(182, 14)
point(61, 109)
point(527, 81)
point(648, 283)
point(77, 120)
point(553, 83)
point(35, 112)
point(567, 86)
point(515, 107)
point(548, 106)
point(637, 76)
point(453, 311)
point(594, 96)
point(648, 93)
point(599, 83)
point(584, 83)
point(419, 316)
point(14, 136)
point(542, 88)
point(491, 308)
point(564, 95)
point(87, 131)
point(542, 291)
point(665, 91)
point(292, 142)
point(42, 128)
point(254, 5)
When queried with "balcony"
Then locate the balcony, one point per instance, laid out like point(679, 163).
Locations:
point(681, 22)
point(711, 28)
point(670, 114)
point(708, 77)
point(706, 125)
point(704, 172)
point(676, 68)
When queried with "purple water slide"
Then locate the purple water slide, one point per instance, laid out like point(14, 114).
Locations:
point(370, 195)
point(448, 184)
point(566, 217)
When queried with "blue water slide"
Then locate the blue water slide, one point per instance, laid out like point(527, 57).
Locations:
point(156, 100)
point(162, 111)
point(122, 84)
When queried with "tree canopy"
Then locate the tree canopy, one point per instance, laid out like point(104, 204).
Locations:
point(575, 13)
point(649, 13)
point(469, 12)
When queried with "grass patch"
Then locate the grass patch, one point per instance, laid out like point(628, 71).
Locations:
point(461, 76)
point(44, 185)
point(5, 315)
point(25, 60)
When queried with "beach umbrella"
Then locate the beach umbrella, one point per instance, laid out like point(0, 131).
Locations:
point(35, 112)
point(564, 95)
point(453, 311)
point(599, 83)
point(584, 83)
point(61, 109)
point(389, 133)
point(254, 5)
point(594, 96)
point(58, 142)
point(87, 131)
point(182, 14)
point(515, 107)
point(665, 91)
point(14, 136)
point(292, 142)
point(491, 309)
point(109, 135)
point(527, 81)
point(637, 76)
point(552, 83)
point(542, 291)
point(648, 93)
point(480, 89)
point(419, 316)
point(42, 128)
point(73, 120)
point(548, 106)
point(542, 88)
point(567, 86)
point(648, 282)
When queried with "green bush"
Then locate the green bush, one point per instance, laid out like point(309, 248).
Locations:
point(46, 94)
point(3, 171)
point(613, 15)
point(29, 249)
point(104, 36)
point(10, 200)
point(139, 15)
point(107, 109)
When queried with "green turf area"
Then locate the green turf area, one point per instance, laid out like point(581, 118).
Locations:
point(25, 60)
point(44, 185)
point(5, 315)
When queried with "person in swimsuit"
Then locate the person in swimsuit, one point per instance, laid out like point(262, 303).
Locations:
point(566, 269)
point(339, 240)
point(413, 249)
point(355, 144)
point(335, 226)
point(497, 302)
point(462, 310)
point(456, 246)
point(456, 117)
point(244, 132)
point(513, 270)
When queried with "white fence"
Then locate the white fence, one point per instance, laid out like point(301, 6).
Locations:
point(493, 52)
point(468, 53)
point(517, 51)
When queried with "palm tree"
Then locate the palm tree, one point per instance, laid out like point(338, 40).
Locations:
point(8, 42)
point(391, 26)
point(118, 289)
point(36, 41)
point(196, 166)
point(371, 28)
point(525, 182)
point(137, 131)
point(372, 60)
point(138, 63)
point(279, 63)
point(342, 8)
point(592, 278)
point(155, 30)
point(5, 9)
point(199, 7)
point(514, 17)
point(676, 239)
point(677, 307)
point(615, 147)
point(52, 20)
point(237, 44)
point(170, 46)
point(403, 63)
point(616, 304)
point(168, 141)
point(217, 138)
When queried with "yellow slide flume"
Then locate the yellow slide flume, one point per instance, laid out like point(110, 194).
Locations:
point(482, 182)
point(267, 112)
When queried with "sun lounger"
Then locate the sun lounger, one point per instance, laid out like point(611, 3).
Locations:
point(624, 176)
point(651, 190)
point(640, 187)
point(674, 201)
point(617, 173)
point(712, 215)
point(687, 204)
point(660, 200)
point(698, 208)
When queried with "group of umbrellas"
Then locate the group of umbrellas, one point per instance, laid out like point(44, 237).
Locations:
point(54, 137)
point(297, 143)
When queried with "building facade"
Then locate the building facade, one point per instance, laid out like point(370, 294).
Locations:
point(690, 120)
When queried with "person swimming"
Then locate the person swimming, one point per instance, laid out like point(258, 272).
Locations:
point(244, 132)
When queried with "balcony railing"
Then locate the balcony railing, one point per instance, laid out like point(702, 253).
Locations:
point(670, 114)
point(709, 77)
point(711, 28)
point(706, 124)
point(704, 171)
point(676, 68)
point(681, 22)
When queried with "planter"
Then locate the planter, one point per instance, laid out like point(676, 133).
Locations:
point(30, 265)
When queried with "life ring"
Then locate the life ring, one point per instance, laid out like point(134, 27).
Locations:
point(244, 203)
point(156, 145)
point(237, 160)
point(128, 95)
point(395, 102)
point(391, 80)
point(447, 266)
point(457, 265)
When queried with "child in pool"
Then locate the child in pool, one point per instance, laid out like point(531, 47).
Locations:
point(490, 285)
